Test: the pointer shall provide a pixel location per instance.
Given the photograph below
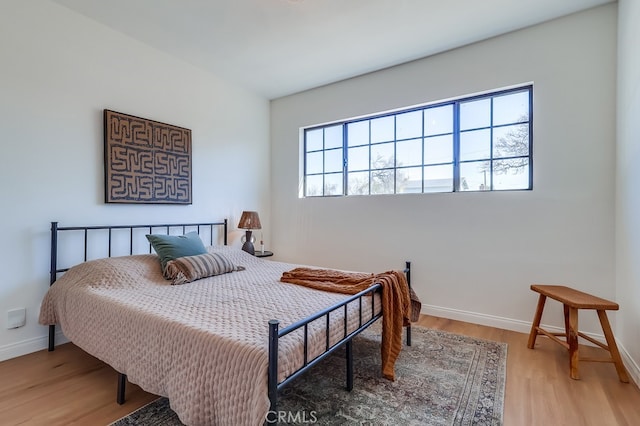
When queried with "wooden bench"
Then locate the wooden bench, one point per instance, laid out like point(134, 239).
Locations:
point(572, 301)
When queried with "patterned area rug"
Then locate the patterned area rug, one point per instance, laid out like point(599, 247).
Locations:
point(442, 379)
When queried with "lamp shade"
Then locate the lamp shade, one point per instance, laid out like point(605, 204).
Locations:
point(249, 220)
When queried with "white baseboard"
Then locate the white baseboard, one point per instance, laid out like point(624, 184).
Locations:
point(524, 327)
point(477, 318)
point(28, 346)
point(630, 364)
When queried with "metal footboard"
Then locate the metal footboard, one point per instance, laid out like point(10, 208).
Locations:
point(275, 334)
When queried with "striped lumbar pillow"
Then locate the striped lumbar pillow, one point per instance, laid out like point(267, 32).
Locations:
point(190, 268)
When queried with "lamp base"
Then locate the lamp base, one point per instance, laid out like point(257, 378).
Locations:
point(248, 245)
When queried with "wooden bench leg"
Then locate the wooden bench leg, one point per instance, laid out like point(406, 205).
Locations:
point(536, 321)
point(572, 340)
point(565, 309)
point(613, 348)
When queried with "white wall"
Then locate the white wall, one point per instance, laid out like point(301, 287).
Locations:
point(628, 181)
point(475, 254)
point(58, 71)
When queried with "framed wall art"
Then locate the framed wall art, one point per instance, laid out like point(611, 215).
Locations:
point(146, 161)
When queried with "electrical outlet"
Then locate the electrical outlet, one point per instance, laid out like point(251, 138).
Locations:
point(16, 318)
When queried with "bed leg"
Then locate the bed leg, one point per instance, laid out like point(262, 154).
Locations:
point(349, 348)
point(273, 372)
point(122, 383)
point(407, 272)
point(52, 337)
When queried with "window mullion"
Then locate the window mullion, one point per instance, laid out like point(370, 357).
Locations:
point(324, 173)
point(456, 146)
point(423, 149)
point(345, 160)
point(530, 117)
point(490, 145)
point(304, 167)
point(369, 167)
point(395, 152)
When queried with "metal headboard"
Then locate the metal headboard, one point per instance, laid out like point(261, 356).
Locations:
point(55, 230)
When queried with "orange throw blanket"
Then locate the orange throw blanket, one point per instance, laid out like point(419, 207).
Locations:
point(396, 302)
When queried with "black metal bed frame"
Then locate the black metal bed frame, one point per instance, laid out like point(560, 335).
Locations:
point(274, 332)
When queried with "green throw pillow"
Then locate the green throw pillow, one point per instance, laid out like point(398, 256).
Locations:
point(169, 247)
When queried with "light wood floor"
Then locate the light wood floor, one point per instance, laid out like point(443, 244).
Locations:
point(69, 387)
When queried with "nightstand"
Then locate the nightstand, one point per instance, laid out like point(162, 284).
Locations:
point(265, 253)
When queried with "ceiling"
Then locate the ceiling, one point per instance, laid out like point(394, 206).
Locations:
point(280, 47)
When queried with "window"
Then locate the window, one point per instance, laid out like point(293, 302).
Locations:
point(479, 143)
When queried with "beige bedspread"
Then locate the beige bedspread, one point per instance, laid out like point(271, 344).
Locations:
point(202, 344)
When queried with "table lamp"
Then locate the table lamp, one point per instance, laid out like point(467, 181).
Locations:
point(249, 221)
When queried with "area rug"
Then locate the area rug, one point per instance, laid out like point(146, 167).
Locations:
point(442, 379)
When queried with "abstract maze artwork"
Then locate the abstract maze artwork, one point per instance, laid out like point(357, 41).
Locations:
point(146, 161)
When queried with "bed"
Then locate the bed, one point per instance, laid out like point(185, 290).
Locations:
point(219, 348)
